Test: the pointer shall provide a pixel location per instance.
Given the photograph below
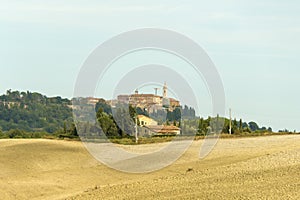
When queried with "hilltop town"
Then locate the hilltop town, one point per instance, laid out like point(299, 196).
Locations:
point(152, 118)
point(150, 102)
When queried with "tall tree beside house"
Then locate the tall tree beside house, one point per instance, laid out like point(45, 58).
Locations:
point(132, 112)
point(107, 124)
point(124, 121)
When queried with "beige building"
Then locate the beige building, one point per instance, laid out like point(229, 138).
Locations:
point(140, 100)
point(174, 102)
point(151, 102)
point(146, 121)
point(150, 127)
point(92, 100)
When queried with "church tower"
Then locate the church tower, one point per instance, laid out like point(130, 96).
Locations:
point(165, 88)
point(165, 100)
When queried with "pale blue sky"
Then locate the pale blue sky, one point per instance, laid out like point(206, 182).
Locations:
point(254, 44)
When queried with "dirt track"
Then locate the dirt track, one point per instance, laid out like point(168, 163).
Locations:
point(246, 168)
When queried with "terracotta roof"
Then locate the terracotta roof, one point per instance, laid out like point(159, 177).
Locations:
point(172, 99)
point(143, 95)
point(140, 116)
point(163, 128)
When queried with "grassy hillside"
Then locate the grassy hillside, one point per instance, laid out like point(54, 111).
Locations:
point(244, 168)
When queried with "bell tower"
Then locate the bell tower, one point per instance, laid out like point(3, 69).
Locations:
point(165, 89)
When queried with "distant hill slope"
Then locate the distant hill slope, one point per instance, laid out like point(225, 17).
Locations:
point(34, 112)
point(31, 111)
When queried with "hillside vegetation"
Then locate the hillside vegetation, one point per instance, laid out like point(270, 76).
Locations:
point(33, 115)
point(34, 112)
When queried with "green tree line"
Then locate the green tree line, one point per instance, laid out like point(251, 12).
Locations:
point(30, 114)
point(33, 112)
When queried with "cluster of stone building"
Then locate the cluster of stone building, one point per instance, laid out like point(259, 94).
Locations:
point(151, 103)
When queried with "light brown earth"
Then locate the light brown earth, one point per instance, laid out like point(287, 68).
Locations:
point(245, 168)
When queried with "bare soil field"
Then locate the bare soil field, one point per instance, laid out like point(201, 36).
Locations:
point(244, 168)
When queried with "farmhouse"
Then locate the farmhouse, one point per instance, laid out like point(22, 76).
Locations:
point(161, 130)
point(145, 121)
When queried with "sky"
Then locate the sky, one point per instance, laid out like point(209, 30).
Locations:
point(254, 45)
